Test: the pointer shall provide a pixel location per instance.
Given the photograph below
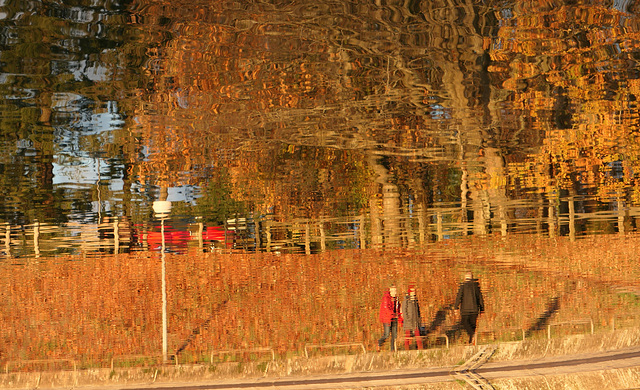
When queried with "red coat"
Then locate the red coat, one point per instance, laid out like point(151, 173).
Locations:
point(387, 312)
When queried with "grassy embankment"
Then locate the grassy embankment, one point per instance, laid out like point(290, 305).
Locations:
point(94, 308)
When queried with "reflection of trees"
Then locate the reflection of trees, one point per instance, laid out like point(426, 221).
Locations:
point(575, 92)
point(424, 107)
point(55, 61)
point(432, 88)
point(372, 89)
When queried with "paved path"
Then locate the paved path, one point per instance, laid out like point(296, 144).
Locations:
point(617, 359)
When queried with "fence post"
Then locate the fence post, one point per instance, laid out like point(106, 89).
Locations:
point(613, 323)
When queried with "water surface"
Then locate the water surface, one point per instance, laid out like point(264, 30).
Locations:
point(141, 130)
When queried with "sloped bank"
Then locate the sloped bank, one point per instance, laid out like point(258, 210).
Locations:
point(301, 367)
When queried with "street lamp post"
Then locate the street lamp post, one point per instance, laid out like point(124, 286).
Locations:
point(161, 209)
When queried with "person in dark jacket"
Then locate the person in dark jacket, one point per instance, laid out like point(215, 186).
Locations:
point(390, 315)
point(471, 304)
point(411, 318)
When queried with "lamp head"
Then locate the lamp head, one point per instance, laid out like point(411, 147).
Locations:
point(161, 208)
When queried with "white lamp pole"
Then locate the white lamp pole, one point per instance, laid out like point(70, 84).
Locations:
point(162, 208)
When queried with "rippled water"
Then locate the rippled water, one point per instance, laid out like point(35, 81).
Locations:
point(366, 124)
point(208, 127)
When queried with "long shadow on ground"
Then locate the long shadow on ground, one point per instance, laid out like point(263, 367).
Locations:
point(196, 331)
point(541, 322)
point(455, 331)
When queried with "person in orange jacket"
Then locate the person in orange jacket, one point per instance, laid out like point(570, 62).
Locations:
point(390, 316)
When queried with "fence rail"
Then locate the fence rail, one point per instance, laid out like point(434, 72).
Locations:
point(159, 359)
point(424, 338)
point(243, 351)
point(45, 362)
point(586, 321)
point(615, 320)
point(497, 333)
point(335, 345)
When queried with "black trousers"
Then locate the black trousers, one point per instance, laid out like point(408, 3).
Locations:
point(469, 321)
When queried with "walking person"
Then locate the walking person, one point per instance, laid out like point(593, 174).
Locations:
point(411, 319)
point(390, 315)
point(471, 304)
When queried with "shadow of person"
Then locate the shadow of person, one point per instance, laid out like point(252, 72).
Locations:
point(452, 332)
point(438, 319)
point(543, 320)
point(196, 331)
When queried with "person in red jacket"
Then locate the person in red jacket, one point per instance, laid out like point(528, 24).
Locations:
point(390, 316)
